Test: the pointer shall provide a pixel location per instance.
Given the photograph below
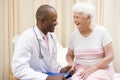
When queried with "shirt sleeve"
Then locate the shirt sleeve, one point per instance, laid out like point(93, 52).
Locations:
point(106, 39)
point(71, 41)
point(20, 62)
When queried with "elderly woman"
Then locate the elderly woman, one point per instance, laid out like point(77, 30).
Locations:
point(90, 49)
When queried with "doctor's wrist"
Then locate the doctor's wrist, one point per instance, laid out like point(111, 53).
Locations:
point(48, 78)
point(65, 69)
point(57, 77)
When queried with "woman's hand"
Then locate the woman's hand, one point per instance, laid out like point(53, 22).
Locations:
point(87, 72)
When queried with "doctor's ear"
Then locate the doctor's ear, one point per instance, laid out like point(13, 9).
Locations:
point(42, 21)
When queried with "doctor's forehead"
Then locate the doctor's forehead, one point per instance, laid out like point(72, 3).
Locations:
point(44, 10)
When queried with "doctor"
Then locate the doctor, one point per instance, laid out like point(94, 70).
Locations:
point(35, 49)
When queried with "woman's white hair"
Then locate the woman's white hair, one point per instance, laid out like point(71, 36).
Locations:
point(85, 8)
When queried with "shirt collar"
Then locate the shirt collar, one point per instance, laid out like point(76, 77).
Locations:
point(39, 33)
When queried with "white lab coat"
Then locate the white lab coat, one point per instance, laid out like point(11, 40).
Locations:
point(26, 64)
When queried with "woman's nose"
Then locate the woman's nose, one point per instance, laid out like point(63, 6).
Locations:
point(75, 21)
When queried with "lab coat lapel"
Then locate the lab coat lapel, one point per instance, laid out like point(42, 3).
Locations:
point(50, 46)
point(44, 48)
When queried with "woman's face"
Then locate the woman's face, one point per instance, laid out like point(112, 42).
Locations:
point(80, 20)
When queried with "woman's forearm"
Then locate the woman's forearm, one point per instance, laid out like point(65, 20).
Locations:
point(70, 60)
point(104, 62)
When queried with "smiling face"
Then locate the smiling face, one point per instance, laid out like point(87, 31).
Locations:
point(46, 17)
point(50, 22)
point(81, 21)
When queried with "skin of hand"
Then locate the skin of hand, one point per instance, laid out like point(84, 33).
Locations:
point(87, 72)
point(58, 77)
point(65, 69)
point(102, 64)
point(72, 70)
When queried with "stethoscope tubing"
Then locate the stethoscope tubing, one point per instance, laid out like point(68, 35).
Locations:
point(40, 54)
point(39, 43)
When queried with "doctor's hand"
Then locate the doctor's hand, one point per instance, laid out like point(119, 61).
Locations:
point(58, 77)
point(72, 70)
point(65, 69)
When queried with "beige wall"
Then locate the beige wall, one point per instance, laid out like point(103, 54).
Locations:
point(17, 15)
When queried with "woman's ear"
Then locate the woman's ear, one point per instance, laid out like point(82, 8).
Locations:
point(89, 18)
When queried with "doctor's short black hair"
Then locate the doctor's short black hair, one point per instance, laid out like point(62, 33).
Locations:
point(43, 12)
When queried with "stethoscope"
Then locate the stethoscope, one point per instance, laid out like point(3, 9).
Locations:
point(40, 52)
